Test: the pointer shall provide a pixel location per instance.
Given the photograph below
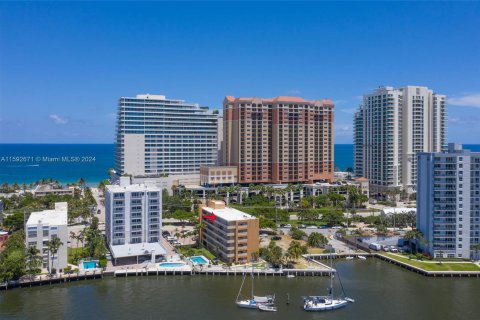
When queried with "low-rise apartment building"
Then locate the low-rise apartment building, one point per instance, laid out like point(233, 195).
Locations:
point(44, 226)
point(232, 234)
point(46, 189)
point(218, 175)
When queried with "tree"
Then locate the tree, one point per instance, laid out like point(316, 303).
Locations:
point(316, 239)
point(297, 234)
point(53, 245)
point(33, 261)
point(295, 249)
point(336, 198)
point(413, 235)
point(273, 254)
point(12, 259)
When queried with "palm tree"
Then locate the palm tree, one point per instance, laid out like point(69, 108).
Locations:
point(295, 249)
point(53, 246)
point(34, 261)
point(316, 239)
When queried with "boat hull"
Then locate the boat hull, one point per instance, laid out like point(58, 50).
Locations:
point(323, 304)
point(249, 304)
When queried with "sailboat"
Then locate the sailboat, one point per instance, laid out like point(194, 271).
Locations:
point(328, 302)
point(255, 301)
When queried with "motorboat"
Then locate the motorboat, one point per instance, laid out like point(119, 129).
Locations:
point(267, 307)
point(362, 257)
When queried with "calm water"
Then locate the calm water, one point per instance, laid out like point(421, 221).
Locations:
point(94, 160)
point(34, 167)
point(381, 291)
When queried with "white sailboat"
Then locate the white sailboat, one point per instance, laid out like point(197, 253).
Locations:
point(255, 301)
point(325, 303)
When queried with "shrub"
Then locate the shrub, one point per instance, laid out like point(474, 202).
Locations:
point(297, 234)
point(102, 263)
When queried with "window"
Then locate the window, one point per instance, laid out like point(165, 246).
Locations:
point(32, 232)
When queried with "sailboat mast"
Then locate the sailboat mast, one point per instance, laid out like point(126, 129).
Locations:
point(252, 282)
point(331, 276)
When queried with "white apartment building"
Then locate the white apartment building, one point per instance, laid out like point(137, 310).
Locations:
point(133, 219)
point(45, 225)
point(391, 126)
point(156, 135)
point(448, 202)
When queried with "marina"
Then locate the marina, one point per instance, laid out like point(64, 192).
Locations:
point(151, 297)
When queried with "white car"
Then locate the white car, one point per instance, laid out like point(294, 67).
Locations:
point(311, 227)
point(288, 226)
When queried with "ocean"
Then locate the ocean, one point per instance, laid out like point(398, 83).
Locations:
point(27, 163)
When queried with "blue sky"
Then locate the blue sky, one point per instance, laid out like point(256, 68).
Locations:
point(63, 66)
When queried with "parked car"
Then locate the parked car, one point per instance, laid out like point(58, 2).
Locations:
point(276, 238)
point(302, 226)
point(288, 226)
point(386, 248)
point(311, 227)
point(393, 249)
point(375, 246)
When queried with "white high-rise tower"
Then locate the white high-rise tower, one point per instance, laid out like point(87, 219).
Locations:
point(391, 126)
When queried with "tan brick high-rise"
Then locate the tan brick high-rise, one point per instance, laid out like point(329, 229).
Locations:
point(279, 140)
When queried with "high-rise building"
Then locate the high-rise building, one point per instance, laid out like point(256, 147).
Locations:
point(448, 202)
point(44, 226)
point(133, 219)
point(391, 126)
point(156, 135)
point(278, 140)
point(232, 234)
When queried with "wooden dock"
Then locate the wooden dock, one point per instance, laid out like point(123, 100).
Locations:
point(47, 280)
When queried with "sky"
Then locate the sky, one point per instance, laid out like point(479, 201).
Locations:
point(63, 66)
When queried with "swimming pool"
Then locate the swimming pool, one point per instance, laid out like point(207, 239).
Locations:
point(89, 264)
point(199, 260)
point(171, 265)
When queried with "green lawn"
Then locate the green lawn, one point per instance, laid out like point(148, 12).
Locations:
point(315, 250)
point(434, 265)
point(189, 251)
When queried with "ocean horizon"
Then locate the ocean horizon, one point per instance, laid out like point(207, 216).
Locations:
point(67, 163)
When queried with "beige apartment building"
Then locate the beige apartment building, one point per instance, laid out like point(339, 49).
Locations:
point(232, 234)
point(279, 140)
point(218, 175)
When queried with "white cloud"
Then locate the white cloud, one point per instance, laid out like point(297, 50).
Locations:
point(469, 100)
point(58, 119)
point(343, 130)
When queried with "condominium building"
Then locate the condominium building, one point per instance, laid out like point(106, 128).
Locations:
point(232, 234)
point(133, 219)
point(448, 202)
point(218, 175)
point(156, 135)
point(391, 126)
point(278, 140)
point(44, 226)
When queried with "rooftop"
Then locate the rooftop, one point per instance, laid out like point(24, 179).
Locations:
point(136, 249)
point(125, 185)
point(287, 99)
point(50, 217)
point(229, 214)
